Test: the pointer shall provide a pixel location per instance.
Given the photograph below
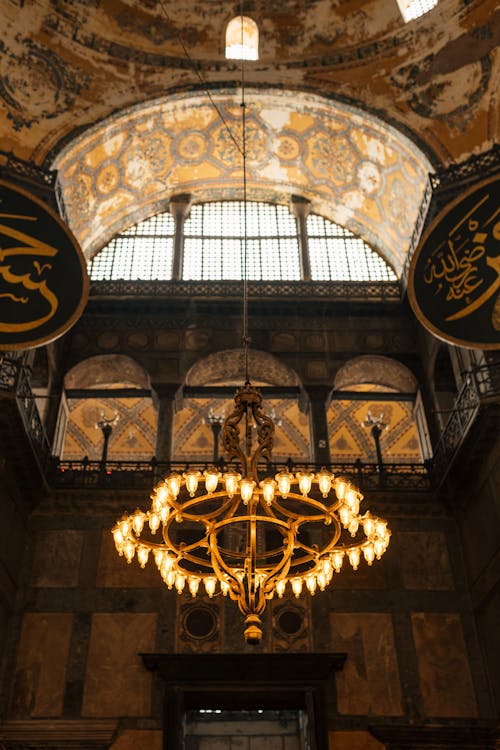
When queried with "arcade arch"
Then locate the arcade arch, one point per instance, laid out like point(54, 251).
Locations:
point(208, 398)
point(371, 390)
point(107, 389)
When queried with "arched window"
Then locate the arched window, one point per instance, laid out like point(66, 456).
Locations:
point(213, 242)
point(242, 39)
point(411, 9)
point(368, 391)
point(108, 389)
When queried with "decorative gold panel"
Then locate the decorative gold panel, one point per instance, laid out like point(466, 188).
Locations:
point(194, 441)
point(350, 439)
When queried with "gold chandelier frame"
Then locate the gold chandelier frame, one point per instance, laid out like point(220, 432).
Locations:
point(246, 538)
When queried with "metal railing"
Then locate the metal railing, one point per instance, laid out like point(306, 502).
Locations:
point(132, 475)
point(480, 386)
point(339, 290)
point(15, 382)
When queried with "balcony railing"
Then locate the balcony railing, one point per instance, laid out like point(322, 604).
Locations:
point(131, 475)
point(15, 382)
point(480, 386)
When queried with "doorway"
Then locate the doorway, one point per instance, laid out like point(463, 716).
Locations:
point(219, 729)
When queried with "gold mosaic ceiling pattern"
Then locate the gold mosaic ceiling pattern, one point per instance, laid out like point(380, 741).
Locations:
point(350, 439)
point(354, 169)
point(134, 434)
point(67, 64)
point(134, 430)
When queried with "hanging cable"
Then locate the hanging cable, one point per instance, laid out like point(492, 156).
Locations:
point(197, 71)
point(246, 340)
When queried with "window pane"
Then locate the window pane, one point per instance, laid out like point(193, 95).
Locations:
point(215, 233)
point(145, 251)
point(336, 254)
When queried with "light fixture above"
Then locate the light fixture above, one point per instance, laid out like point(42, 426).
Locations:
point(248, 538)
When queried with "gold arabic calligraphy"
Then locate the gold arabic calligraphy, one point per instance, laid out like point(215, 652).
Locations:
point(30, 281)
point(461, 268)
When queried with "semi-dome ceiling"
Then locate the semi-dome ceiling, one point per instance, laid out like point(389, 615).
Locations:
point(65, 64)
point(353, 168)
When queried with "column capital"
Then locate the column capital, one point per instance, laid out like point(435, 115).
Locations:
point(300, 207)
point(179, 205)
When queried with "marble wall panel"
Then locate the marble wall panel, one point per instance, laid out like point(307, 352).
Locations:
point(353, 741)
point(365, 577)
point(117, 683)
point(443, 668)
point(40, 674)
point(141, 739)
point(424, 560)
point(113, 571)
point(369, 683)
point(57, 558)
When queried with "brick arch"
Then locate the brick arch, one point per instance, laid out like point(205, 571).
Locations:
point(107, 370)
point(228, 366)
point(376, 370)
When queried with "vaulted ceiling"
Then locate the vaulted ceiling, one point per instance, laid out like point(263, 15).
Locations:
point(67, 64)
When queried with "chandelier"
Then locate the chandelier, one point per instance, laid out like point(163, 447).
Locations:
point(236, 534)
point(248, 538)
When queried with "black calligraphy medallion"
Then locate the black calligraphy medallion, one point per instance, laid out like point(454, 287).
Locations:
point(43, 277)
point(454, 277)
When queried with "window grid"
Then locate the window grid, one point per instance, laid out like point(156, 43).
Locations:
point(412, 9)
point(214, 242)
point(335, 254)
point(145, 251)
point(214, 248)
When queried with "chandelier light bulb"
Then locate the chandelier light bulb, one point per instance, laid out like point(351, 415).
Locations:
point(311, 584)
point(211, 480)
point(124, 525)
point(354, 557)
point(174, 484)
point(368, 525)
point(162, 493)
point(154, 521)
point(297, 586)
point(138, 521)
point(170, 578)
point(369, 553)
point(118, 538)
point(129, 551)
point(192, 478)
point(345, 515)
point(284, 479)
point(305, 482)
point(246, 490)
point(337, 560)
point(324, 482)
point(280, 587)
point(231, 480)
point(210, 586)
point(142, 556)
point(268, 490)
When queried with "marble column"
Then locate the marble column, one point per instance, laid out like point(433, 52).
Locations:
point(320, 448)
point(301, 208)
point(179, 206)
point(165, 398)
